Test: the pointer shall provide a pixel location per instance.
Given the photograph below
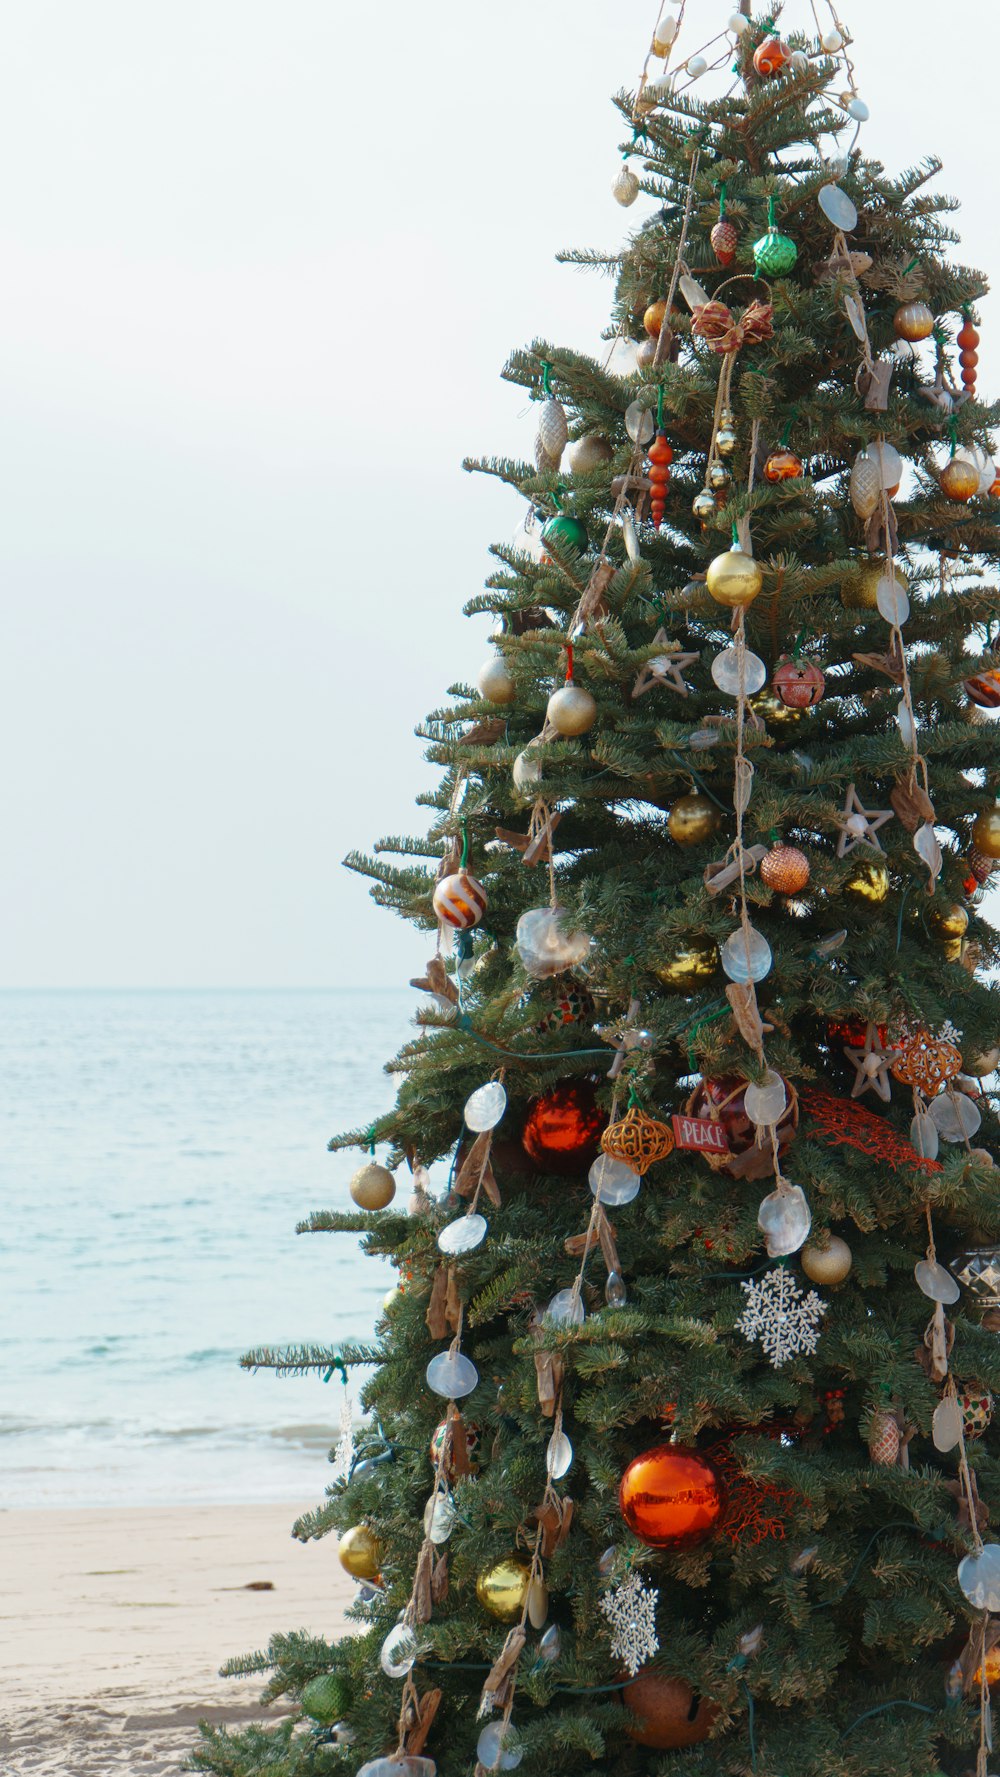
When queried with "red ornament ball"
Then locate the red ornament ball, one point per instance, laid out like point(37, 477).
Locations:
point(671, 1497)
point(770, 57)
point(799, 683)
point(564, 1125)
point(852, 1031)
point(669, 1712)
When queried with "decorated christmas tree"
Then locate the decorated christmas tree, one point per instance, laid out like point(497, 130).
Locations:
point(677, 1450)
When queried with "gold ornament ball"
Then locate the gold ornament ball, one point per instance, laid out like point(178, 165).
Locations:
point(913, 321)
point(959, 480)
point(494, 681)
point(502, 1589)
point(694, 963)
point(986, 832)
point(373, 1186)
point(726, 439)
point(861, 593)
point(718, 477)
point(703, 506)
point(693, 819)
point(571, 710)
point(948, 921)
point(655, 316)
point(391, 1297)
point(360, 1553)
point(734, 579)
point(827, 1264)
point(769, 706)
point(981, 1065)
point(590, 452)
point(869, 882)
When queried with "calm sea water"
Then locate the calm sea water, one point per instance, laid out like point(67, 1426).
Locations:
point(156, 1151)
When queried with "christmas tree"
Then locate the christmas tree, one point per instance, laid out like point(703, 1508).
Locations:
point(677, 1437)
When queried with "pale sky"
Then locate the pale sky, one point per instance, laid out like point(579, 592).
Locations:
point(261, 266)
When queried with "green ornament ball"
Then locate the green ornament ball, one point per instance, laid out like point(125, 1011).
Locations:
point(563, 529)
point(327, 1698)
point(775, 253)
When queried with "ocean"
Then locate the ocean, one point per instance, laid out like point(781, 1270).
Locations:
point(156, 1152)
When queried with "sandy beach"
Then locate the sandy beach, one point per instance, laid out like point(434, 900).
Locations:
point(113, 1626)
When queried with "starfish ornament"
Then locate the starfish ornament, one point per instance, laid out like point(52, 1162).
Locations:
point(871, 1066)
point(666, 669)
point(859, 825)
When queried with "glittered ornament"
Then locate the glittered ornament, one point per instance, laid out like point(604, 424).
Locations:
point(503, 1589)
point(563, 1127)
point(654, 317)
point(625, 188)
point(799, 683)
point(360, 1553)
point(372, 1186)
point(827, 1264)
point(986, 832)
point(775, 253)
point(692, 966)
point(959, 480)
point(913, 321)
point(782, 465)
point(693, 819)
point(494, 681)
point(671, 1497)
point(459, 900)
point(669, 1714)
point(562, 531)
point(924, 1061)
point(638, 1141)
point(785, 869)
point(571, 710)
point(327, 1697)
point(734, 579)
point(770, 57)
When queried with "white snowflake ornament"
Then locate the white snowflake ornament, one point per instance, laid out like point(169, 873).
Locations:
point(631, 1613)
point(343, 1460)
point(780, 1316)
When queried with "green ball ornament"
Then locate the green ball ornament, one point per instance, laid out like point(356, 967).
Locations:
point(774, 254)
point(561, 530)
point(327, 1697)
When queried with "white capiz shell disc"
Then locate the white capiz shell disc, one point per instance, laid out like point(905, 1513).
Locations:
point(485, 1107)
point(616, 1182)
point(463, 1235)
point(452, 1376)
point(837, 208)
point(935, 1282)
point(956, 1118)
point(979, 1578)
point(785, 1220)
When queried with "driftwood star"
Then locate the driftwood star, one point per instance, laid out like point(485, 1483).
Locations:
point(666, 668)
point(871, 1066)
point(859, 825)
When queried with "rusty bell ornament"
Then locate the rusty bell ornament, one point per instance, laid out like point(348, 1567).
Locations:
point(799, 683)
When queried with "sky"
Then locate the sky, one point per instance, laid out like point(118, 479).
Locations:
point(261, 268)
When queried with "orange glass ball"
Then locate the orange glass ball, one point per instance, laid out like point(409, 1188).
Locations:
point(671, 1497)
point(564, 1126)
point(655, 316)
point(968, 360)
point(992, 1664)
point(660, 451)
point(770, 57)
point(968, 337)
point(959, 479)
point(995, 489)
point(669, 1713)
point(782, 465)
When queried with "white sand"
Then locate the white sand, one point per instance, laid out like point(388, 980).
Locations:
point(113, 1626)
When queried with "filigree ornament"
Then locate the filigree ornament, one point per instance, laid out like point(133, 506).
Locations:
point(926, 1062)
point(638, 1141)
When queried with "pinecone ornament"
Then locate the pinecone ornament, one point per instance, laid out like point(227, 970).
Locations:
point(625, 189)
point(552, 429)
point(724, 241)
point(884, 1439)
point(866, 486)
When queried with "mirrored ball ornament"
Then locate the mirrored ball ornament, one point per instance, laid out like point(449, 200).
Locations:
point(734, 579)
